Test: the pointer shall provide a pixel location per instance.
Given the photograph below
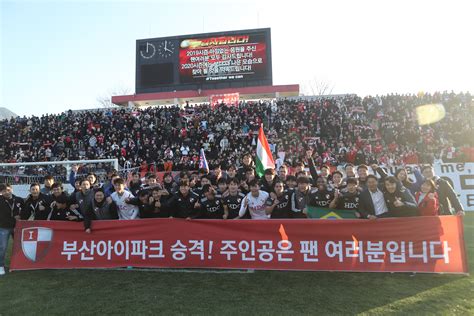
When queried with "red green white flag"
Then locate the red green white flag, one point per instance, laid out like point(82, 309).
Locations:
point(264, 155)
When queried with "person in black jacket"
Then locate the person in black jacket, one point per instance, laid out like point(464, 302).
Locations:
point(400, 202)
point(57, 189)
point(185, 204)
point(81, 200)
point(402, 175)
point(362, 173)
point(448, 201)
point(211, 205)
point(62, 212)
point(135, 184)
point(268, 181)
point(322, 195)
point(279, 203)
point(100, 209)
point(169, 184)
point(10, 208)
point(143, 203)
point(232, 200)
point(348, 199)
point(247, 165)
point(156, 204)
point(37, 204)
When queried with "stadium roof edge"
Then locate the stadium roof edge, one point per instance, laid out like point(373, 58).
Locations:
point(196, 96)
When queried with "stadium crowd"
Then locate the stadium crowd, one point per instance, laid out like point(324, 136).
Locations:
point(341, 129)
point(313, 134)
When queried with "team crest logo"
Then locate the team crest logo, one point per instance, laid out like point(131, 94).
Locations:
point(327, 196)
point(239, 200)
point(35, 242)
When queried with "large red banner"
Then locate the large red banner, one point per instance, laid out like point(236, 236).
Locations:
point(422, 244)
point(228, 99)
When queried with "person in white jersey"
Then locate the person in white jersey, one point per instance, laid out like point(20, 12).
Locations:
point(120, 197)
point(255, 201)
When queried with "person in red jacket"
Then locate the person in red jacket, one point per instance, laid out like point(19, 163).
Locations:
point(427, 199)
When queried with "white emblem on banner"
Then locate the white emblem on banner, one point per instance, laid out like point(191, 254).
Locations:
point(35, 242)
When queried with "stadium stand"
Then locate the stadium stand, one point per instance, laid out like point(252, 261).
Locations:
point(341, 129)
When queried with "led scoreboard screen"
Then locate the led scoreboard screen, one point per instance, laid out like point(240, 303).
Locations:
point(233, 57)
point(204, 61)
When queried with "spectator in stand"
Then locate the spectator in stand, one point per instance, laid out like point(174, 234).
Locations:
point(343, 129)
point(427, 199)
point(100, 209)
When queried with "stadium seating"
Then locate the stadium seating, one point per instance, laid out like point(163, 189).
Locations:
point(348, 128)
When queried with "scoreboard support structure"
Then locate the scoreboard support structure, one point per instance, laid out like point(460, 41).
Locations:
point(201, 96)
